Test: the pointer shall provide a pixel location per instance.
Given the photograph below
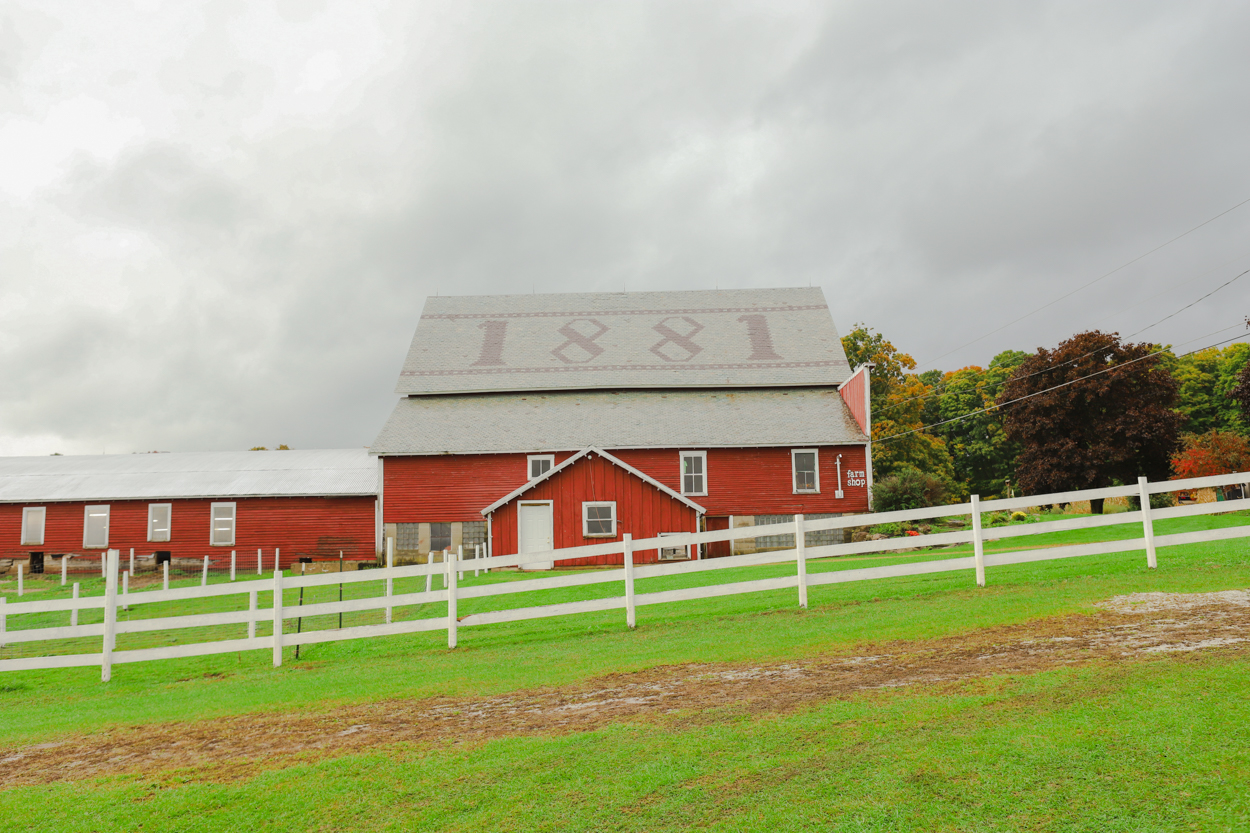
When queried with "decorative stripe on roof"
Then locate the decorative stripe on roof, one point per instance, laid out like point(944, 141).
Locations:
point(712, 338)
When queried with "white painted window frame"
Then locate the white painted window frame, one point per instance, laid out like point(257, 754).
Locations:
point(169, 520)
point(27, 511)
point(794, 470)
point(681, 472)
point(586, 533)
point(212, 520)
point(529, 465)
point(86, 526)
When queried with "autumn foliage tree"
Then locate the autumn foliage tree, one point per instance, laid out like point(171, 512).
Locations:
point(898, 400)
point(1214, 452)
point(1091, 413)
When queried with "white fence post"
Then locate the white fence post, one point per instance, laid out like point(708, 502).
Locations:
point(800, 556)
point(233, 561)
point(251, 623)
point(1147, 523)
point(104, 565)
point(20, 586)
point(132, 561)
point(390, 582)
point(429, 577)
point(64, 567)
point(111, 559)
point(260, 561)
point(73, 611)
point(978, 544)
point(477, 553)
point(451, 604)
point(126, 590)
point(277, 618)
point(165, 584)
point(204, 575)
point(631, 618)
point(277, 553)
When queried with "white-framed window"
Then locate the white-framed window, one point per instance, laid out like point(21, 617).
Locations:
point(540, 464)
point(34, 518)
point(222, 533)
point(599, 519)
point(160, 516)
point(694, 472)
point(805, 462)
point(95, 527)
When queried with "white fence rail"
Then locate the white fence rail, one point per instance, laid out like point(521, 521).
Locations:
point(279, 612)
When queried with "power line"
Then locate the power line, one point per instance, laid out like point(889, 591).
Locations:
point(998, 405)
point(1087, 355)
point(1175, 286)
point(1088, 285)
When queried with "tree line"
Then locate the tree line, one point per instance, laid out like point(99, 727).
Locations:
point(1092, 412)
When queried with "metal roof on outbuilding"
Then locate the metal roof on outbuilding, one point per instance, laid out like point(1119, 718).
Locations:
point(708, 338)
point(229, 474)
point(570, 421)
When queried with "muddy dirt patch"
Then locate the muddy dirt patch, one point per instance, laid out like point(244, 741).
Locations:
point(1126, 628)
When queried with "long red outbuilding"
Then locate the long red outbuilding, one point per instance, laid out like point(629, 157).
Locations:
point(293, 504)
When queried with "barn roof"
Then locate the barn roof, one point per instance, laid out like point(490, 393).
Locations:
point(708, 338)
point(583, 454)
point(228, 474)
point(570, 421)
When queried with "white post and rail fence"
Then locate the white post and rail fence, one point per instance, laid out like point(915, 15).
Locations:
point(452, 569)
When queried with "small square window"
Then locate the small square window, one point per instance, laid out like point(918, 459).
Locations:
point(222, 525)
point(95, 534)
point(599, 519)
point(694, 472)
point(540, 464)
point(159, 515)
point(33, 521)
point(806, 473)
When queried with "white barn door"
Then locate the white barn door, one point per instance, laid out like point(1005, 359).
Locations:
point(534, 532)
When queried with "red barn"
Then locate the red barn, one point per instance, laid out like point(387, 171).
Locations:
point(537, 421)
point(189, 505)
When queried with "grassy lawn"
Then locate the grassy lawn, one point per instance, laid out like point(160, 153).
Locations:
point(498, 658)
point(1143, 746)
point(1158, 746)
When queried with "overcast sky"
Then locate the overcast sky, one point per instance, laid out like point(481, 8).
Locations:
point(219, 221)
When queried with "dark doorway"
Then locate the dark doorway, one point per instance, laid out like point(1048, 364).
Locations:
point(36, 562)
point(717, 549)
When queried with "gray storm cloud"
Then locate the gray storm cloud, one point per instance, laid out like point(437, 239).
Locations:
point(218, 222)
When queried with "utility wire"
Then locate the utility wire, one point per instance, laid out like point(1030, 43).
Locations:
point(931, 395)
point(1091, 283)
point(998, 405)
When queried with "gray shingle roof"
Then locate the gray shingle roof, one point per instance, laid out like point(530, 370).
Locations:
point(229, 474)
point(570, 421)
point(709, 338)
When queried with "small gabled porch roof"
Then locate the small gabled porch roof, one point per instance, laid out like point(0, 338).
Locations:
point(586, 452)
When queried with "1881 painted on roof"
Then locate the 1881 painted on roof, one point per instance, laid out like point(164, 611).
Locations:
point(711, 338)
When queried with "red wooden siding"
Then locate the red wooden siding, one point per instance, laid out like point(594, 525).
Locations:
point(300, 526)
point(458, 487)
point(641, 509)
point(855, 394)
point(759, 481)
point(741, 481)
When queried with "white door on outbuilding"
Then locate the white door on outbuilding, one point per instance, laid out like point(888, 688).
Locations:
point(534, 533)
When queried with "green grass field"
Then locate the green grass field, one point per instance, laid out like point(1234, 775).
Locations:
point(1144, 745)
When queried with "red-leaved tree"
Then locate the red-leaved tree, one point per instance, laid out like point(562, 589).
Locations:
point(1212, 453)
point(1090, 413)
